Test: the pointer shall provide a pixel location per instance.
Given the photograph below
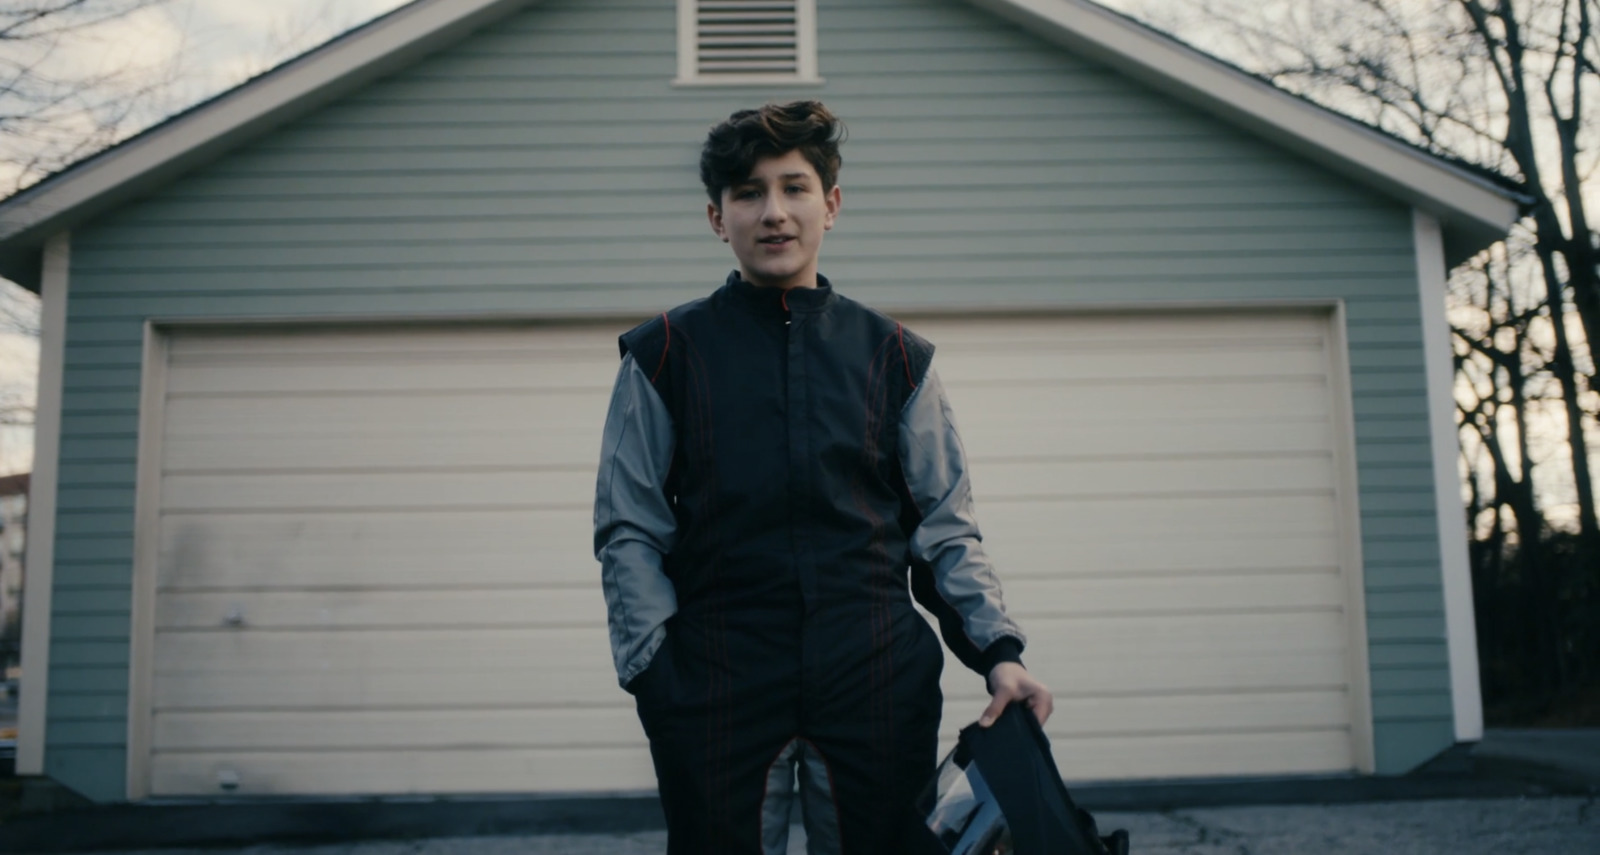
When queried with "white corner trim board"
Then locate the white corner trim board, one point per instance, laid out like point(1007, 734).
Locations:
point(1460, 626)
point(40, 562)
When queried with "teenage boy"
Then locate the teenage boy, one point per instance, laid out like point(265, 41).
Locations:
point(775, 458)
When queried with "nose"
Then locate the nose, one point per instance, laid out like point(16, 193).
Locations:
point(774, 213)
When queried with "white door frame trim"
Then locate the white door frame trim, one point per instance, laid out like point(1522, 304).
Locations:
point(1352, 567)
point(32, 709)
point(146, 559)
point(1461, 629)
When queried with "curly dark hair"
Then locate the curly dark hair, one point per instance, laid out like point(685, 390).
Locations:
point(733, 147)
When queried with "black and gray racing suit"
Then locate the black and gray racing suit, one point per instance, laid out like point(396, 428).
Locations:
point(773, 464)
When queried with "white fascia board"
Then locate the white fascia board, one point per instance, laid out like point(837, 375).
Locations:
point(1461, 200)
point(206, 131)
point(1461, 628)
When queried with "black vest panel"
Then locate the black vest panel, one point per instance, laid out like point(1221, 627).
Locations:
point(786, 478)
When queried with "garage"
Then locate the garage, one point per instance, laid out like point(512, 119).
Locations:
point(373, 571)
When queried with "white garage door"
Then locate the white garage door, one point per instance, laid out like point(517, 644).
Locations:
point(375, 575)
point(397, 522)
point(1159, 496)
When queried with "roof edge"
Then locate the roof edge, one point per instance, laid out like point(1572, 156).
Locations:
point(212, 127)
point(1476, 210)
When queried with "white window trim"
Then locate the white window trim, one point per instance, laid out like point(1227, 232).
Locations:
point(805, 46)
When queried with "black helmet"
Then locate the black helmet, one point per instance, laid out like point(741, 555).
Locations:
point(998, 793)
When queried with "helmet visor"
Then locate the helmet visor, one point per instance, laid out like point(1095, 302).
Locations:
point(961, 811)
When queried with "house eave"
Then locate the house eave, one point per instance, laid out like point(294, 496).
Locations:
point(149, 160)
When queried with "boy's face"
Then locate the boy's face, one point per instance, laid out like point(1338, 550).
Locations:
point(774, 221)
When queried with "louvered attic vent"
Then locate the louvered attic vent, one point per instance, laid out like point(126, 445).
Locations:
point(747, 38)
point(746, 41)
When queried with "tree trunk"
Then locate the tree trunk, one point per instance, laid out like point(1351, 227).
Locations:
point(1565, 370)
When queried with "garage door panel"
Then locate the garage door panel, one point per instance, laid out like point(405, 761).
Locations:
point(380, 608)
point(614, 725)
point(1202, 755)
point(1033, 553)
point(1057, 595)
point(388, 374)
point(1079, 717)
point(1096, 478)
point(334, 342)
point(1198, 365)
point(1097, 759)
point(1284, 632)
point(1121, 400)
point(1180, 331)
point(558, 651)
point(1070, 521)
point(317, 417)
point(468, 685)
point(1076, 716)
point(570, 488)
point(1135, 438)
point(371, 672)
point(466, 448)
point(321, 550)
point(1153, 680)
point(243, 669)
point(562, 770)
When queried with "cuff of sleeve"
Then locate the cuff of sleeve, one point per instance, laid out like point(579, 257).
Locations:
point(1004, 649)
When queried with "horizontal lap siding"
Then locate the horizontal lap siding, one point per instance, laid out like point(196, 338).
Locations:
point(549, 167)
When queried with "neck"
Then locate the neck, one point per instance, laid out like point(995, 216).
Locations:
point(803, 279)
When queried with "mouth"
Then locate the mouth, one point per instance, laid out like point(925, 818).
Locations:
point(777, 241)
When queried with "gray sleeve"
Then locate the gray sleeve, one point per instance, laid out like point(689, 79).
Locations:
point(948, 541)
point(633, 521)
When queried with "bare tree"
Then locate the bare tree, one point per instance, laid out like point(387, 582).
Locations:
point(56, 105)
point(67, 90)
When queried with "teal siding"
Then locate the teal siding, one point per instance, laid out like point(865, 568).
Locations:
point(549, 167)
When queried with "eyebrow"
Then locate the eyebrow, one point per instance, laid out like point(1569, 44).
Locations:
point(788, 176)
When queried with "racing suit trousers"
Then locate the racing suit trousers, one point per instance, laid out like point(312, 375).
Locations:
point(735, 704)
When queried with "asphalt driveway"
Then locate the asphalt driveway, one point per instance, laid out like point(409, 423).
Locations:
point(1554, 825)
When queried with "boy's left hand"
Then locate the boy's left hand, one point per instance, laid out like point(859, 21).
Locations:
point(1009, 682)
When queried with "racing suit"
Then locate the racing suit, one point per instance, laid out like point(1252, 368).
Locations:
point(773, 463)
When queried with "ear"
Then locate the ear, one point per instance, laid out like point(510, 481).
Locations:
point(714, 215)
point(832, 200)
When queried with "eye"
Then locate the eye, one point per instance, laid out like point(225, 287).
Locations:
point(746, 193)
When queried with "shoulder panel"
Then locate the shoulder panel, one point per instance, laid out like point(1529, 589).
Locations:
point(917, 352)
point(649, 343)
